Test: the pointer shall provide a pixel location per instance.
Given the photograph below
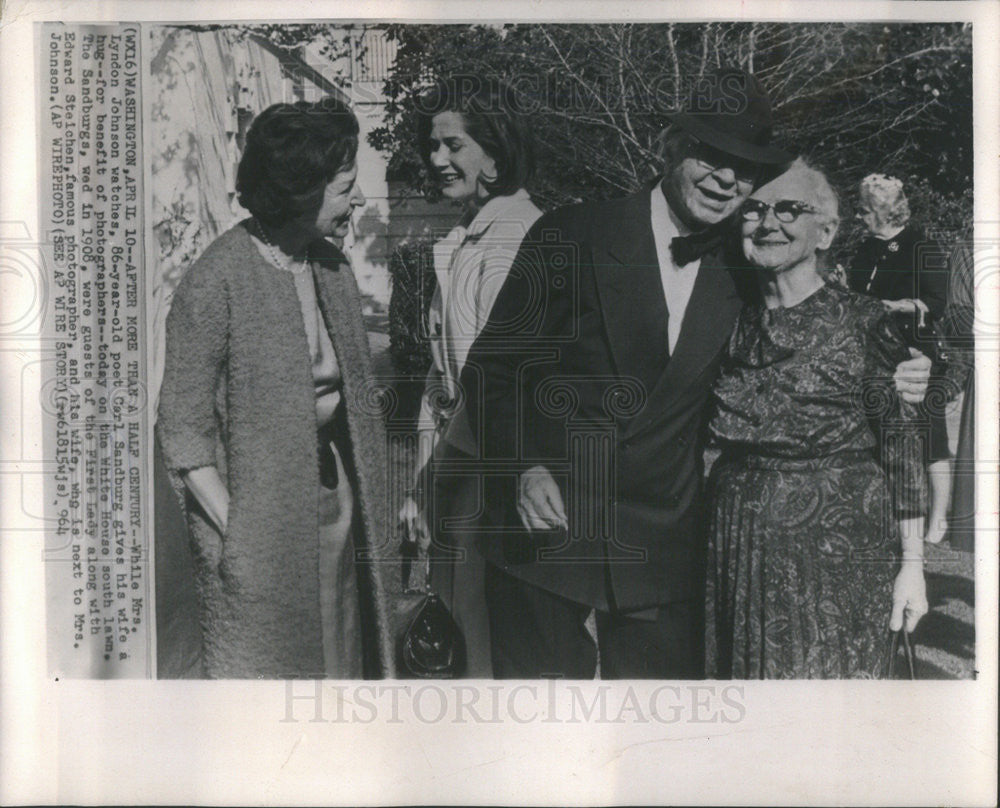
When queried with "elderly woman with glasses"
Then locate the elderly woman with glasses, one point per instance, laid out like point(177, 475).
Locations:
point(803, 572)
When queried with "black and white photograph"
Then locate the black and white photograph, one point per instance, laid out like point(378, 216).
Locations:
point(513, 393)
point(510, 213)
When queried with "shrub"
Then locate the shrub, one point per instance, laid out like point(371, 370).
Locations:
point(411, 269)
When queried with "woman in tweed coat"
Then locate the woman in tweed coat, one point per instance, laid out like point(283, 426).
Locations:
point(269, 422)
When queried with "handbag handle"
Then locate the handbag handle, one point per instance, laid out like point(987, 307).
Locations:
point(410, 552)
point(907, 653)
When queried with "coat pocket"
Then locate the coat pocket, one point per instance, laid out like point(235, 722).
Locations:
point(207, 541)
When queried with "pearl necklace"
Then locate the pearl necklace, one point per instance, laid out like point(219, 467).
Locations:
point(276, 254)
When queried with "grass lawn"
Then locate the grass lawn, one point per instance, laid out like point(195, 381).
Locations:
point(945, 640)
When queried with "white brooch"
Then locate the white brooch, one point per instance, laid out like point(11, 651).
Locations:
point(893, 246)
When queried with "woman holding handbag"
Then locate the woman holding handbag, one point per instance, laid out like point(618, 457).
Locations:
point(803, 570)
point(480, 151)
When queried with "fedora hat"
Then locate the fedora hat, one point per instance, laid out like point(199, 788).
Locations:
point(730, 111)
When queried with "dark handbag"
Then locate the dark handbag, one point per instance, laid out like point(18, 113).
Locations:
point(429, 643)
point(922, 331)
point(892, 661)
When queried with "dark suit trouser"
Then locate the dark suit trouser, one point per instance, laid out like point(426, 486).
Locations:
point(536, 634)
point(459, 580)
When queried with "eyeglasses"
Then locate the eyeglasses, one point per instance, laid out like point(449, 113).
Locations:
point(785, 210)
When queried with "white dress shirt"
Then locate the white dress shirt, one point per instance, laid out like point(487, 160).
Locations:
point(677, 281)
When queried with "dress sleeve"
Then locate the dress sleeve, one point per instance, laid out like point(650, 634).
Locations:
point(901, 432)
point(196, 346)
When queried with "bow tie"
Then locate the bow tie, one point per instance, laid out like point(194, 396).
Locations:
point(686, 249)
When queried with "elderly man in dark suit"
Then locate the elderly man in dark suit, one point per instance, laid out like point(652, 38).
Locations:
point(594, 375)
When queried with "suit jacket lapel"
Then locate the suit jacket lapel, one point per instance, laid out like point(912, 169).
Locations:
point(627, 277)
point(708, 322)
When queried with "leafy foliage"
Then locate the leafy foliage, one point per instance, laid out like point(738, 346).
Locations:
point(852, 98)
point(412, 271)
point(858, 97)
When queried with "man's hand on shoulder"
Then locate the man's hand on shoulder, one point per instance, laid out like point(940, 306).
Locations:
point(911, 377)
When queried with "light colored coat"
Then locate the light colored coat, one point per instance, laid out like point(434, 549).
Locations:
point(471, 264)
point(238, 394)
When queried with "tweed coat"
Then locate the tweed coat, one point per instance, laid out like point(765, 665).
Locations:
point(238, 394)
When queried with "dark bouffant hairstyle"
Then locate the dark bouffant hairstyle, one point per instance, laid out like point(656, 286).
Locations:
point(493, 118)
point(292, 153)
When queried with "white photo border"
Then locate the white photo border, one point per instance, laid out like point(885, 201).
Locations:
point(90, 742)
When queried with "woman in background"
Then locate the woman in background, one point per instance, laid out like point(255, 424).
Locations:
point(262, 422)
point(803, 578)
point(896, 264)
point(480, 151)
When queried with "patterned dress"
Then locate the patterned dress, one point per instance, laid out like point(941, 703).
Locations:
point(803, 537)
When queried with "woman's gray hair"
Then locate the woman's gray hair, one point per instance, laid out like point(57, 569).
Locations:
point(825, 198)
point(884, 194)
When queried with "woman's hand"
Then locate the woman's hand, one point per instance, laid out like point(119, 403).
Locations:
point(909, 596)
point(414, 524)
point(909, 592)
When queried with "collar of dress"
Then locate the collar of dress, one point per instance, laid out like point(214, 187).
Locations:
point(491, 212)
point(487, 215)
